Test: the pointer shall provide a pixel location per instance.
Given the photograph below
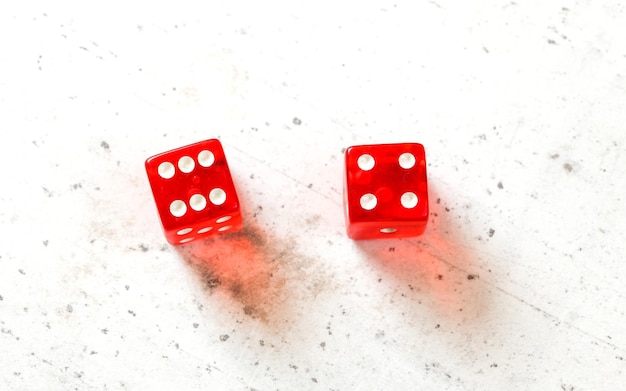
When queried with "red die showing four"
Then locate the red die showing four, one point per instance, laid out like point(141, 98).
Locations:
point(194, 191)
point(385, 191)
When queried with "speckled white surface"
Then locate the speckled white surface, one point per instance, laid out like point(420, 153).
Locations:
point(518, 282)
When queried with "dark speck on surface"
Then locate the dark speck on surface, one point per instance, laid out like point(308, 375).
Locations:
point(568, 167)
point(500, 186)
point(143, 247)
point(224, 337)
point(105, 145)
point(440, 276)
point(554, 156)
point(212, 281)
point(472, 276)
point(195, 325)
point(297, 121)
point(491, 232)
point(132, 313)
point(45, 243)
point(69, 308)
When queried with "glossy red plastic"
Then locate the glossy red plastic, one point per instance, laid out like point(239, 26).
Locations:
point(385, 191)
point(194, 192)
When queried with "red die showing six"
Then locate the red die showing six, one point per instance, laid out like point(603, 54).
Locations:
point(194, 191)
point(385, 191)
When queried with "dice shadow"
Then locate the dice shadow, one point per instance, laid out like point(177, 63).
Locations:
point(244, 268)
point(437, 270)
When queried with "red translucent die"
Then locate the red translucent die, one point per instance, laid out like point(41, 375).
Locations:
point(385, 191)
point(194, 191)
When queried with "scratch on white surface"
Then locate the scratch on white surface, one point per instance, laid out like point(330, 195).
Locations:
point(290, 177)
point(559, 321)
point(547, 314)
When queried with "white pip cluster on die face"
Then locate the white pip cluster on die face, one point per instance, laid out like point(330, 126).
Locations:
point(194, 191)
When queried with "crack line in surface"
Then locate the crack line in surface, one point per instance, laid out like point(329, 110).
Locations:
point(264, 163)
point(534, 307)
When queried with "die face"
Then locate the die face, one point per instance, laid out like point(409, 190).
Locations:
point(194, 191)
point(204, 228)
point(385, 191)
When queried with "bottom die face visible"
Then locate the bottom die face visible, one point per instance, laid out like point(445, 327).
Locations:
point(194, 192)
point(385, 191)
point(382, 229)
point(204, 228)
